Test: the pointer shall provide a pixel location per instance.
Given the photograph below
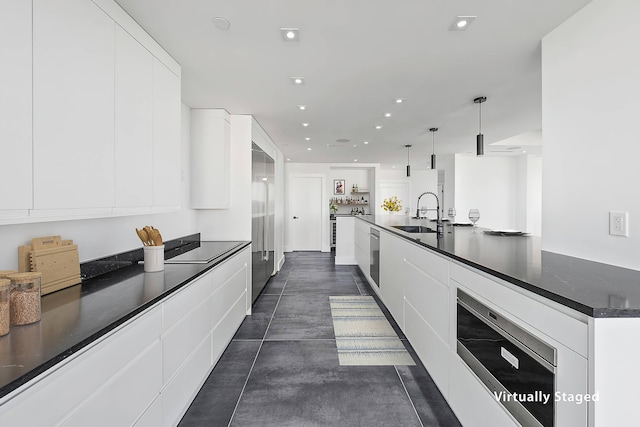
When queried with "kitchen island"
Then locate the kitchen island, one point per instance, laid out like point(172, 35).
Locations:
point(588, 312)
point(139, 342)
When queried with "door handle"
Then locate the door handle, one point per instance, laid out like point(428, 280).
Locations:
point(295, 217)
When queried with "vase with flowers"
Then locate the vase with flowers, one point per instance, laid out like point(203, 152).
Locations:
point(392, 204)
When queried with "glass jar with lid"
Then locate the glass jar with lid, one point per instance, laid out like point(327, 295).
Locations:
point(5, 318)
point(25, 297)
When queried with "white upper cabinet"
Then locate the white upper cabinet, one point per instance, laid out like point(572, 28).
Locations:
point(73, 105)
point(210, 159)
point(90, 113)
point(133, 123)
point(166, 137)
point(15, 105)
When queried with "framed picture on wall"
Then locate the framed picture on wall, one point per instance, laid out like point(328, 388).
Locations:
point(338, 186)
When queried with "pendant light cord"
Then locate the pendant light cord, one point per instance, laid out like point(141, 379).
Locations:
point(433, 134)
point(480, 125)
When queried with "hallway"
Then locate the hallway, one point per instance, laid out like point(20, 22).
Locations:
point(281, 368)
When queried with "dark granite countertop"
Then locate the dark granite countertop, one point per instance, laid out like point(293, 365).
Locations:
point(77, 316)
point(593, 288)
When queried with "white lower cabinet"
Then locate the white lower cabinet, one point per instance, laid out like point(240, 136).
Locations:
point(147, 371)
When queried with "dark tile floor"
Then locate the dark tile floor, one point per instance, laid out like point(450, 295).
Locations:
point(281, 368)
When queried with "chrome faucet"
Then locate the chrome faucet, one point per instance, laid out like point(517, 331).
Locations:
point(439, 227)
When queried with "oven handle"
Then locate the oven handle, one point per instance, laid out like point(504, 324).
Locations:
point(550, 367)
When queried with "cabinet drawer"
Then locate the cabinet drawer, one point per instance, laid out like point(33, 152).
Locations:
point(224, 331)
point(225, 297)
point(223, 272)
point(429, 297)
point(471, 401)
point(558, 325)
point(178, 394)
point(434, 265)
point(121, 401)
point(181, 340)
point(153, 415)
point(186, 300)
point(433, 351)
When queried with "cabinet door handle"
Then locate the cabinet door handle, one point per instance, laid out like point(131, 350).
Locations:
point(295, 217)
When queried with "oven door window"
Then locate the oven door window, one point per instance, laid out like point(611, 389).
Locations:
point(516, 370)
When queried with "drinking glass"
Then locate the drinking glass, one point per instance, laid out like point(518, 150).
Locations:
point(452, 214)
point(474, 216)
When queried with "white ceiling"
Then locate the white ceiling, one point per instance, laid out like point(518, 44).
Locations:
point(357, 56)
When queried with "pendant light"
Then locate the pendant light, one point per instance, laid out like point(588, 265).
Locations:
point(433, 155)
point(408, 163)
point(480, 137)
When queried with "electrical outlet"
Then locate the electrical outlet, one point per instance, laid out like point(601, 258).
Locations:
point(619, 224)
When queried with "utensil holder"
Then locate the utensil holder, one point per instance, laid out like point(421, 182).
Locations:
point(153, 258)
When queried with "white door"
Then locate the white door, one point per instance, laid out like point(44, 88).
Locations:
point(306, 213)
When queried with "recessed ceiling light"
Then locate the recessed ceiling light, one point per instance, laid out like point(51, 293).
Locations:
point(305, 124)
point(354, 145)
point(302, 107)
point(307, 138)
point(355, 160)
point(288, 160)
point(524, 151)
point(290, 34)
point(387, 114)
point(379, 127)
point(365, 142)
point(221, 23)
point(393, 167)
point(399, 100)
point(308, 148)
point(461, 23)
point(297, 80)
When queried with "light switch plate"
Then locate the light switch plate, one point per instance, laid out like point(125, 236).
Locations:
point(619, 224)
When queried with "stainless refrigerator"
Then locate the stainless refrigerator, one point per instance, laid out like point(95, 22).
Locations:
point(262, 219)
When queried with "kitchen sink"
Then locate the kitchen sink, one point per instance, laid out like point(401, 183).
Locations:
point(414, 228)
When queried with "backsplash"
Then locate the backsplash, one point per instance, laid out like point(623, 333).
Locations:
point(97, 267)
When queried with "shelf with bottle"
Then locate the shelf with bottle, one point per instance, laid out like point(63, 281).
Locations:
point(346, 201)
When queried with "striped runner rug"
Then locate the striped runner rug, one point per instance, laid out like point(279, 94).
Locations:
point(363, 334)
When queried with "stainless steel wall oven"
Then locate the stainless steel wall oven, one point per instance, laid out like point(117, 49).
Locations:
point(517, 367)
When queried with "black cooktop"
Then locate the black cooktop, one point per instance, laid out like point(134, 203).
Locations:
point(201, 253)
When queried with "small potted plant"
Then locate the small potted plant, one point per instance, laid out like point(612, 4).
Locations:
point(333, 208)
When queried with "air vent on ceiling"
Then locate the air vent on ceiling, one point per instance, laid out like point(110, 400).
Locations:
point(343, 140)
point(336, 146)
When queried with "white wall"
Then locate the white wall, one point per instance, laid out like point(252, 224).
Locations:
point(394, 182)
point(489, 184)
point(106, 236)
point(448, 165)
point(590, 111)
point(529, 194)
